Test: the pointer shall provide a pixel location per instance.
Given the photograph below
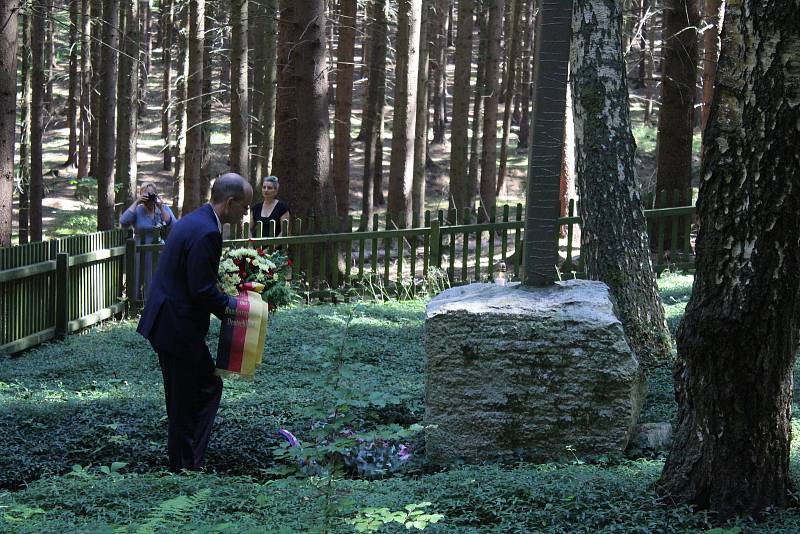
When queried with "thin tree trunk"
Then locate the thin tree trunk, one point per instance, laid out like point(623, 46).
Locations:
point(72, 97)
point(650, 69)
point(256, 33)
point(459, 134)
point(181, 92)
point(145, 51)
point(239, 150)
point(475, 148)
point(737, 342)
point(421, 134)
point(439, 67)
point(511, 77)
point(167, 10)
point(225, 67)
point(267, 112)
point(106, 120)
point(97, 48)
point(208, 48)
point(614, 231)
point(525, 89)
point(370, 126)
point(675, 124)
point(377, 166)
point(128, 109)
point(489, 151)
point(50, 56)
point(194, 108)
point(38, 86)
point(344, 106)
point(9, 15)
point(401, 166)
point(86, 91)
point(25, 133)
point(712, 13)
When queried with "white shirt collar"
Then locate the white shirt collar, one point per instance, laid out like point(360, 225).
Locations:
point(219, 224)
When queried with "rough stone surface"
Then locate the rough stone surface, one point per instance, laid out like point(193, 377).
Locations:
point(651, 437)
point(534, 373)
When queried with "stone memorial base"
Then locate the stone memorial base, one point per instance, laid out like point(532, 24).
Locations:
point(533, 373)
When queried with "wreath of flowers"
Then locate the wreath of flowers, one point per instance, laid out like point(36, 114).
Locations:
point(240, 265)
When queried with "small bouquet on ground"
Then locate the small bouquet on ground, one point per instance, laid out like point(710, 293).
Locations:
point(258, 281)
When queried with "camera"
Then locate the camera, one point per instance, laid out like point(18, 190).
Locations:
point(152, 197)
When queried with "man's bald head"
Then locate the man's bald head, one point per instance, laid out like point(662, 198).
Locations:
point(229, 185)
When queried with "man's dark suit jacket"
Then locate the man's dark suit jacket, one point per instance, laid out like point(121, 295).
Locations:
point(184, 290)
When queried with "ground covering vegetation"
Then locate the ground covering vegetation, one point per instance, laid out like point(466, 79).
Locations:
point(82, 427)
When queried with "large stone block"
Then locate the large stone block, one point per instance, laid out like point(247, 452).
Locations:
point(535, 373)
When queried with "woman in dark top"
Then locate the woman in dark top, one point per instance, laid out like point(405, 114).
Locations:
point(271, 209)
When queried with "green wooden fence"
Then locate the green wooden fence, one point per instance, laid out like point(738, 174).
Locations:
point(57, 287)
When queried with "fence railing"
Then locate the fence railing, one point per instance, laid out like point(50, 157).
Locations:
point(56, 287)
point(53, 288)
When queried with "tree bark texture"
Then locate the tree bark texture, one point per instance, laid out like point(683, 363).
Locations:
point(421, 133)
point(525, 86)
point(509, 89)
point(128, 112)
point(371, 126)
point(38, 23)
point(25, 131)
point(9, 16)
point(85, 91)
point(208, 72)
point(614, 232)
point(478, 103)
point(194, 108)
point(178, 190)
point(439, 70)
point(713, 11)
point(738, 339)
point(107, 119)
point(74, 87)
point(550, 67)
point(145, 52)
point(459, 135)
point(675, 124)
point(267, 112)
point(344, 106)
point(240, 138)
point(167, 11)
point(96, 60)
point(488, 190)
point(404, 119)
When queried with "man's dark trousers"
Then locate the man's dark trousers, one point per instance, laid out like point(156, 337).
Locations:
point(192, 394)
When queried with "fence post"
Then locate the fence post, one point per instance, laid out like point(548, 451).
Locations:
point(436, 241)
point(130, 275)
point(62, 293)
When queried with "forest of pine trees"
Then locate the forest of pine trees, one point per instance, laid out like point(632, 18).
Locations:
point(356, 105)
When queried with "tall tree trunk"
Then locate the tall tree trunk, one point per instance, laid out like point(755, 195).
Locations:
point(459, 133)
point(49, 57)
point(178, 189)
point(239, 153)
point(421, 133)
point(72, 97)
point(208, 67)
point(284, 157)
point(489, 150)
point(257, 17)
point(167, 10)
point(712, 13)
point(372, 113)
point(145, 51)
point(650, 67)
point(128, 109)
point(267, 112)
point(194, 108)
point(97, 49)
point(511, 77)
point(25, 133)
point(38, 86)
point(9, 16)
point(439, 68)
point(614, 231)
point(225, 67)
point(404, 119)
point(312, 185)
point(344, 106)
point(525, 89)
point(377, 165)
point(86, 90)
point(738, 338)
point(675, 125)
point(478, 105)
point(107, 123)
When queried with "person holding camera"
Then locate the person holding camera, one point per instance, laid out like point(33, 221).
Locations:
point(147, 214)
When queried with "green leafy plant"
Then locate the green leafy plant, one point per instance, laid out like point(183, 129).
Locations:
point(411, 516)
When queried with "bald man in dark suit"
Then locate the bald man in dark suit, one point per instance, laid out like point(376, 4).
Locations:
point(176, 318)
